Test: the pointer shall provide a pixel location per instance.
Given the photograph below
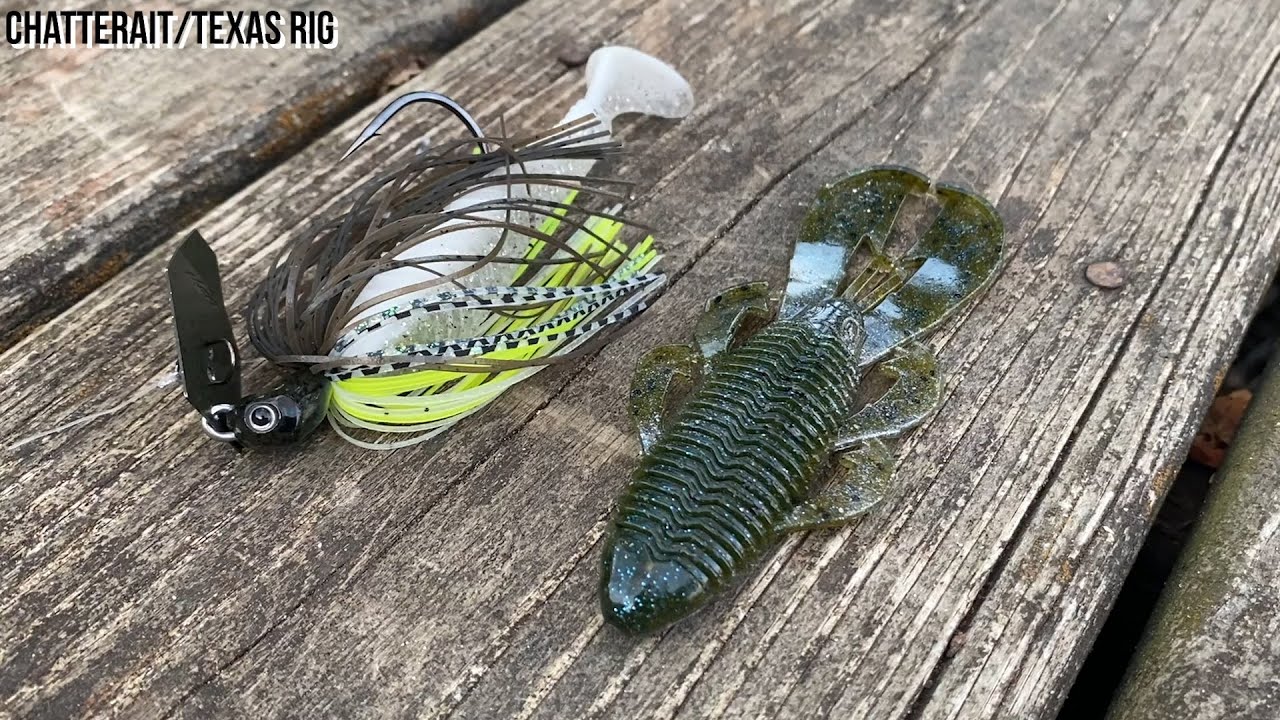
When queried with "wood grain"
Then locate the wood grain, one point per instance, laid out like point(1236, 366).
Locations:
point(110, 152)
point(1209, 648)
point(148, 572)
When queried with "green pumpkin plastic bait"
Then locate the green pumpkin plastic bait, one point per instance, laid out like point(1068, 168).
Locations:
point(740, 433)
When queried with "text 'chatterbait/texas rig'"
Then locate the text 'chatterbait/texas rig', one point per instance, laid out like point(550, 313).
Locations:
point(454, 275)
point(755, 431)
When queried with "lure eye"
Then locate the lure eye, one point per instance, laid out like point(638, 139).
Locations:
point(262, 416)
point(287, 415)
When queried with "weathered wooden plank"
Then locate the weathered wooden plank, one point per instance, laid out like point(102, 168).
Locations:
point(110, 152)
point(892, 612)
point(1219, 253)
point(1210, 648)
point(460, 578)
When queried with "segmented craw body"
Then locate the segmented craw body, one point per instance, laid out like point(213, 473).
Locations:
point(752, 432)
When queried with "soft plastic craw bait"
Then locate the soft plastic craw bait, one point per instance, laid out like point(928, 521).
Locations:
point(740, 429)
point(454, 275)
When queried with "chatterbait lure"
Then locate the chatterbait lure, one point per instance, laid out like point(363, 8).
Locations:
point(740, 429)
point(453, 276)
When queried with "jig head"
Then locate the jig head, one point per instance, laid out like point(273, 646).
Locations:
point(209, 363)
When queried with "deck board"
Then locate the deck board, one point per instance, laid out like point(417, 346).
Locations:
point(107, 153)
point(149, 571)
point(1208, 649)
